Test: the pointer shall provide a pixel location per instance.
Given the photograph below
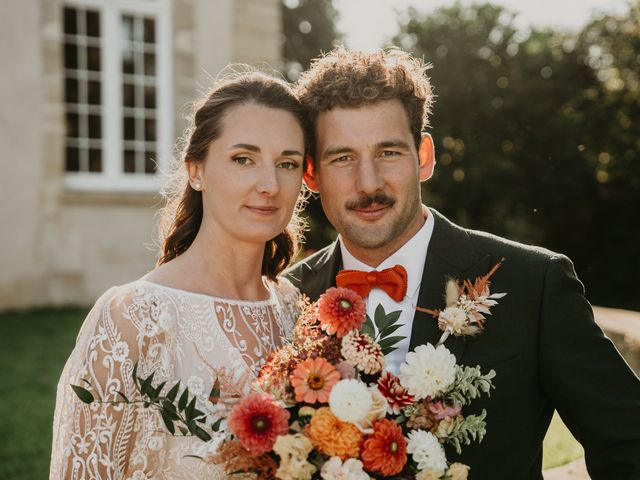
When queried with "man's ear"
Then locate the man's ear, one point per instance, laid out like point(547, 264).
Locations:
point(427, 157)
point(310, 174)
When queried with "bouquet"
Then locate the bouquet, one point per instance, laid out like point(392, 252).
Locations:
point(324, 407)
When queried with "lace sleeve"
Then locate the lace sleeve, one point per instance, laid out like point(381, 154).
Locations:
point(101, 440)
point(291, 304)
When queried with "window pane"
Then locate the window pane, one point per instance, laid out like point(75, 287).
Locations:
point(71, 90)
point(129, 128)
point(70, 25)
point(127, 28)
point(95, 160)
point(94, 92)
point(95, 126)
point(72, 125)
point(72, 159)
point(129, 161)
point(70, 56)
point(127, 60)
point(150, 162)
point(150, 130)
point(128, 95)
point(93, 59)
point(149, 30)
point(93, 24)
point(149, 64)
point(150, 97)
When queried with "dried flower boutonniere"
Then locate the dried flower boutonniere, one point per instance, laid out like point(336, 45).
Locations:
point(467, 304)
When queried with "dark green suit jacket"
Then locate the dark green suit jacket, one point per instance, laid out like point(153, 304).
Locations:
point(542, 342)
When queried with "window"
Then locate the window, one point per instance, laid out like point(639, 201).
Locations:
point(116, 93)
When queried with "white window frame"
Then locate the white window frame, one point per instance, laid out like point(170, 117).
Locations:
point(112, 178)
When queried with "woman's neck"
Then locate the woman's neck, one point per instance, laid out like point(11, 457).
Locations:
point(216, 265)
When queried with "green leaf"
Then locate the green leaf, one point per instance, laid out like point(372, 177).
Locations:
point(389, 330)
point(145, 387)
point(388, 320)
point(216, 425)
point(202, 434)
point(171, 395)
point(379, 313)
point(170, 410)
point(368, 328)
point(168, 422)
point(124, 397)
point(155, 393)
point(134, 374)
point(183, 430)
point(191, 408)
point(388, 343)
point(83, 394)
point(184, 398)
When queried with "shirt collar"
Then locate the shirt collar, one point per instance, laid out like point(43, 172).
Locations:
point(411, 255)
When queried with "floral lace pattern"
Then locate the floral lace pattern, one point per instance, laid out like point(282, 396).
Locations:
point(181, 336)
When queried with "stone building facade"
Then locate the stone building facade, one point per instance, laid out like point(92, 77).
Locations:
point(94, 94)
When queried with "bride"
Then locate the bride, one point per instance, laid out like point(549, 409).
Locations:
point(214, 307)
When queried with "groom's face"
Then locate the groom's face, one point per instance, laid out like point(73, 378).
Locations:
point(368, 174)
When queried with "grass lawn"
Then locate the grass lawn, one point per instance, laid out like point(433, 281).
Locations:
point(33, 348)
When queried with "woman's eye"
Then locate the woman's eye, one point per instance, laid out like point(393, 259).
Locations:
point(241, 160)
point(289, 165)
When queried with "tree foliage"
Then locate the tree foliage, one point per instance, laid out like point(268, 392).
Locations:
point(535, 135)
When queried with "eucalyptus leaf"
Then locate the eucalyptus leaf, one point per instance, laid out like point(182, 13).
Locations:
point(145, 387)
point(124, 397)
point(168, 422)
point(171, 395)
point(216, 425)
point(184, 398)
point(202, 434)
point(83, 394)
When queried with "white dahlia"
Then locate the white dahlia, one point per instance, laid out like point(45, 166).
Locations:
point(350, 400)
point(428, 371)
point(335, 469)
point(426, 451)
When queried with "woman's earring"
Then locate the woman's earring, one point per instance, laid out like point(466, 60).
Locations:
point(197, 187)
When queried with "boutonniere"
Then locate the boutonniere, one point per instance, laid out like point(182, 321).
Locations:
point(467, 304)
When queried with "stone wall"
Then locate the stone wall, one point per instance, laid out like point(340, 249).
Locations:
point(62, 247)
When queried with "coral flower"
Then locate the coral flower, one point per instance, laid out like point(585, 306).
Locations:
point(333, 436)
point(313, 379)
point(256, 421)
point(341, 310)
point(385, 450)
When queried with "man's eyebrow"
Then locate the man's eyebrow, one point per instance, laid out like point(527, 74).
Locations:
point(393, 144)
point(245, 146)
point(335, 151)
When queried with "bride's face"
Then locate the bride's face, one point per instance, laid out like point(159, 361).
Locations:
point(252, 175)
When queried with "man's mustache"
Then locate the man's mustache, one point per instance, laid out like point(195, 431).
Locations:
point(366, 201)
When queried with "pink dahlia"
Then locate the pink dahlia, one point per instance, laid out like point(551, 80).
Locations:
point(440, 410)
point(341, 310)
point(256, 421)
point(313, 380)
point(397, 396)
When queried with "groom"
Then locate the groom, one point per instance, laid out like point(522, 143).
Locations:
point(370, 156)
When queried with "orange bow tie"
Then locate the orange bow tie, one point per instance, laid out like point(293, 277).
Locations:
point(391, 280)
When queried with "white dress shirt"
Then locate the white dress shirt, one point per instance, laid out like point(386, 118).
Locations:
point(411, 256)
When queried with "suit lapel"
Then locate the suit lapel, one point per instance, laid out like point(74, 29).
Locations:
point(325, 271)
point(451, 255)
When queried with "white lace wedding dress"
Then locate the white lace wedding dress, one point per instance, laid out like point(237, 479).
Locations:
point(181, 336)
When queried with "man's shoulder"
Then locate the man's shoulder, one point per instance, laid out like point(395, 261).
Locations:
point(298, 272)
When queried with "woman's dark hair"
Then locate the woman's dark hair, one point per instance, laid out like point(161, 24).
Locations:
point(182, 215)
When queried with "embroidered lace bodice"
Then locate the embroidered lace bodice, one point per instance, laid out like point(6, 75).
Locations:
point(181, 336)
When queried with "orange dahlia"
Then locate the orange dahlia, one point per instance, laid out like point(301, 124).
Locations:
point(332, 436)
point(313, 379)
point(256, 421)
point(385, 450)
point(341, 310)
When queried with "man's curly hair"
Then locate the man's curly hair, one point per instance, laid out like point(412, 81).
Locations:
point(351, 79)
